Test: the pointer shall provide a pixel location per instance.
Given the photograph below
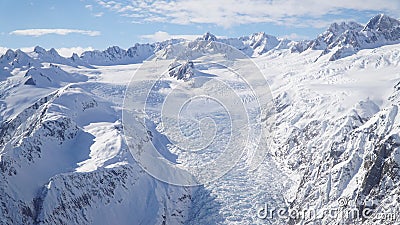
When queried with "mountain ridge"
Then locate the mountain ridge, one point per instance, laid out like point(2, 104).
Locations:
point(338, 41)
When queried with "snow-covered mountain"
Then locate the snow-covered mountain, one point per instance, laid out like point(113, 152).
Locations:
point(117, 56)
point(334, 146)
point(344, 39)
point(51, 76)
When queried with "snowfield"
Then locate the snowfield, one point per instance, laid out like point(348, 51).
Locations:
point(211, 138)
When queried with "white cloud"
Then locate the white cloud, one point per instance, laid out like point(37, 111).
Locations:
point(40, 32)
point(228, 13)
point(296, 37)
point(162, 36)
point(67, 52)
point(26, 49)
point(99, 14)
point(3, 50)
point(90, 7)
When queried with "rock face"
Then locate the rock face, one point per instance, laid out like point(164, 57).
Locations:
point(208, 37)
point(181, 71)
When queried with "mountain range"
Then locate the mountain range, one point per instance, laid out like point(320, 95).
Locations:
point(335, 143)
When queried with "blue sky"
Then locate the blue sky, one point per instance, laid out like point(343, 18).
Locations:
point(87, 24)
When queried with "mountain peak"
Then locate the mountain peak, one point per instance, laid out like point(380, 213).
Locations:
point(115, 50)
point(53, 52)
point(75, 57)
point(338, 28)
point(259, 34)
point(381, 22)
point(39, 49)
point(10, 53)
point(208, 37)
point(42, 53)
point(260, 42)
point(262, 36)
